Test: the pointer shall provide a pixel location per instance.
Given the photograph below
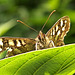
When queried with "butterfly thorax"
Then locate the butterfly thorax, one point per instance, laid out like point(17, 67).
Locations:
point(42, 41)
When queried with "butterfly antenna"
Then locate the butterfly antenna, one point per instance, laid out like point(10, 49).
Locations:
point(48, 19)
point(27, 25)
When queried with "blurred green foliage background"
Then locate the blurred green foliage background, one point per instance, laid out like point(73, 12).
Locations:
point(34, 13)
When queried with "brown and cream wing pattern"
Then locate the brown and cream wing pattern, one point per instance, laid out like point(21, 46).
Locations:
point(59, 31)
point(16, 45)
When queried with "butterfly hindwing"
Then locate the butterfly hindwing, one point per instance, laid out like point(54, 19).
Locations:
point(59, 30)
point(16, 45)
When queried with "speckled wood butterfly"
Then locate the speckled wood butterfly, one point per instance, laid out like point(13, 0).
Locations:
point(53, 38)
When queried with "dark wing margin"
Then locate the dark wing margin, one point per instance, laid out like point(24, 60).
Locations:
point(59, 31)
point(16, 45)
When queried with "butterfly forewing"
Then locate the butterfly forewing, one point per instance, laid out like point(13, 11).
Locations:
point(59, 30)
point(16, 45)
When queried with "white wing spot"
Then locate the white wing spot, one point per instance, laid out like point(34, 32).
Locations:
point(56, 27)
point(61, 22)
point(11, 43)
point(53, 31)
point(58, 32)
point(65, 21)
point(18, 43)
point(0, 49)
point(1, 43)
point(9, 49)
point(63, 28)
point(23, 42)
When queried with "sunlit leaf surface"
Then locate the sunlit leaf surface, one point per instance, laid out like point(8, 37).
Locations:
point(59, 61)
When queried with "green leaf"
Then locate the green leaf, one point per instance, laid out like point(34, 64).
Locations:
point(59, 61)
point(3, 54)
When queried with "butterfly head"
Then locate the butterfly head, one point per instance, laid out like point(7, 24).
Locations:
point(41, 36)
point(40, 40)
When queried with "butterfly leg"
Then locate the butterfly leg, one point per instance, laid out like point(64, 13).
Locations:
point(36, 46)
point(51, 44)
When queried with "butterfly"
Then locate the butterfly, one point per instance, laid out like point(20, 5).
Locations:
point(53, 38)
